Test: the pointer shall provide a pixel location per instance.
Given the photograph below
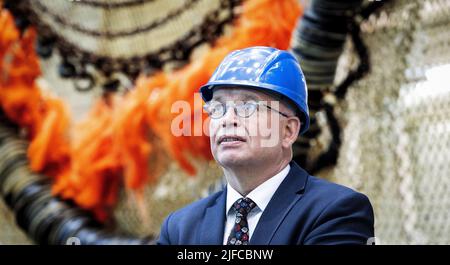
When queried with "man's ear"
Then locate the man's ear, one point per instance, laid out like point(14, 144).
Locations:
point(291, 131)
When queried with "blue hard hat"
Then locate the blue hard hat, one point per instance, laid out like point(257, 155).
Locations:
point(272, 70)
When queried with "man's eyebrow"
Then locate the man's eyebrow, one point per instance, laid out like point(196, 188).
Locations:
point(244, 98)
point(251, 97)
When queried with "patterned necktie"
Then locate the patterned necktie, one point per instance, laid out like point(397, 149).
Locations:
point(239, 234)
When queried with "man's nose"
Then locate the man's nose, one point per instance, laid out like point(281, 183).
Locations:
point(230, 118)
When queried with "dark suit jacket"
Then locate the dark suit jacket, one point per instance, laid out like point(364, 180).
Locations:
point(303, 210)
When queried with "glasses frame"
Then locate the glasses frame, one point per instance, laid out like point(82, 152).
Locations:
point(258, 104)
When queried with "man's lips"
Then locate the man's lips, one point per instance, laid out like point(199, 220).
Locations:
point(230, 139)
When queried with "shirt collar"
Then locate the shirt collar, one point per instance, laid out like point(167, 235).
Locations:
point(262, 194)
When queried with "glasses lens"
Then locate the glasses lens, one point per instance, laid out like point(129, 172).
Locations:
point(215, 109)
point(246, 109)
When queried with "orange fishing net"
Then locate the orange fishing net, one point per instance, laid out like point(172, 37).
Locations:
point(92, 160)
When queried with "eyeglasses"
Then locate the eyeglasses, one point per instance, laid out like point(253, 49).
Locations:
point(216, 109)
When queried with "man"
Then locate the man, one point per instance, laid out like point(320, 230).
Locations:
point(269, 199)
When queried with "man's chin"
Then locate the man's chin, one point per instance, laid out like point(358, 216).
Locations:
point(232, 161)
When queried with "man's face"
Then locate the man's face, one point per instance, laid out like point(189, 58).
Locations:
point(255, 140)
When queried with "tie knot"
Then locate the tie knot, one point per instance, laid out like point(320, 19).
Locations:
point(243, 206)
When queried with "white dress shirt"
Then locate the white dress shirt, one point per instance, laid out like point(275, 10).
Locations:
point(261, 195)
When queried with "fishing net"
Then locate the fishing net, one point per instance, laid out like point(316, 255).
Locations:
point(116, 157)
point(396, 127)
point(394, 121)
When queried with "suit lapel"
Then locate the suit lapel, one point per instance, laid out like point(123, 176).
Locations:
point(213, 224)
point(285, 197)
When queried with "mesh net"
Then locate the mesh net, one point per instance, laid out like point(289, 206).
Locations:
point(396, 129)
point(125, 28)
point(396, 136)
point(396, 125)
